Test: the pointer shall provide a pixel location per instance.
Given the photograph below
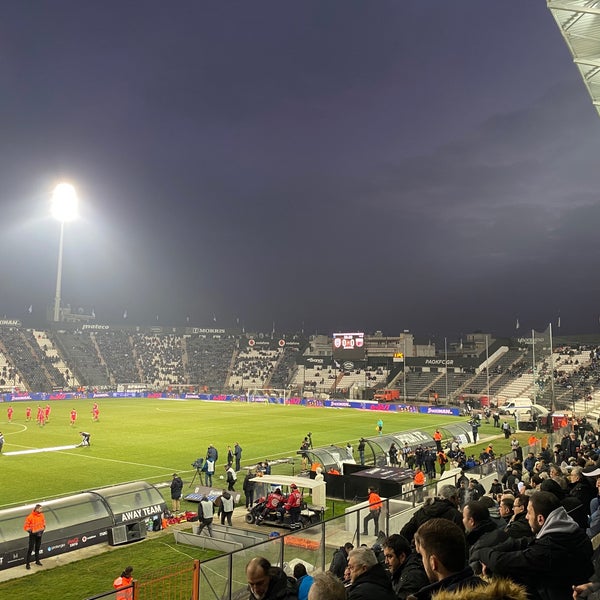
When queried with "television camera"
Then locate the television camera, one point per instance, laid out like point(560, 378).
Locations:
point(197, 464)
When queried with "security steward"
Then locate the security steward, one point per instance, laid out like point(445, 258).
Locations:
point(35, 523)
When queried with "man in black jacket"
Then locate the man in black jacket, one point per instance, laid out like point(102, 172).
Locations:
point(339, 561)
point(268, 583)
point(405, 566)
point(518, 526)
point(442, 507)
point(558, 558)
point(369, 581)
point(442, 547)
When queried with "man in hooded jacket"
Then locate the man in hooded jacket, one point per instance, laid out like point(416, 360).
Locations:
point(558, 557)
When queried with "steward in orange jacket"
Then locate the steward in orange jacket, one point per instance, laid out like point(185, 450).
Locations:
point(124, 581)
point(34, 525)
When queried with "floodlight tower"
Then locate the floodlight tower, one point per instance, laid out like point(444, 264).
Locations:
point(64, 209)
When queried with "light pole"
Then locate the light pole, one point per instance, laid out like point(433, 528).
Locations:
point(64, 209)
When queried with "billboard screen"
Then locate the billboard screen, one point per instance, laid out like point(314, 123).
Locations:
point(349, 346)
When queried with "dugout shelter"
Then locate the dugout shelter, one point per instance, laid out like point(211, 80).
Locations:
point(116, 514)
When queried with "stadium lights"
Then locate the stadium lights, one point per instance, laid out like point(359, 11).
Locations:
point(64, 209)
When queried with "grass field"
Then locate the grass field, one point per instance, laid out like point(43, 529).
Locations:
point(143, 439)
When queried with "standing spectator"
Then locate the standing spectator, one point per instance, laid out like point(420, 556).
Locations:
point(442, 461)
point(405, 566)
point(237, 452)
point(375, 505)
point(123, 585)
point(226, 507)
point(231, 477)
point(558, 558)
point(349, 452)
point(35, 523)
point(176, 490)
point(248, 487)
point(206, 513)
point(339, 561)
point(361, 450)
point(393, 454)
point(368, 577)
point(303, 580)
point(73, 417)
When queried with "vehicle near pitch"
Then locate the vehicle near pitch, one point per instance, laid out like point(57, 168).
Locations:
point(269, 511)
point(514, 404)
point(387, 395)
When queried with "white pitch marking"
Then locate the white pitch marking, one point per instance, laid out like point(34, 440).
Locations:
point(36, 450)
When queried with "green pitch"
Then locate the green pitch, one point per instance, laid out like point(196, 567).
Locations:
point(149, 439)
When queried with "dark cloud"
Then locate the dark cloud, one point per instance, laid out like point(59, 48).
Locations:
point(341, 164)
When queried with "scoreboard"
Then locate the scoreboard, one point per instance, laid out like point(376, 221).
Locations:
point(349, 346)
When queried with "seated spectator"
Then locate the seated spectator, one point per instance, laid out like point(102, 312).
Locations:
point(326, 587)
point(558, 557)
point(268, 583)
point(518, 526)
point(445, 506)
point(481, 531)
point(303, 580)
point(443, 549)
point(404, 565)
point(368, 577)
point(339, 561)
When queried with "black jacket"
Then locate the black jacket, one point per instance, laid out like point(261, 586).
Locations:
point(463, 579)
point(339, 562)
point(281, 587)
point(559, 557)
point(374, 584)
point(485, 535)
point(410, 577)
point(440, 508)
point(519, 527)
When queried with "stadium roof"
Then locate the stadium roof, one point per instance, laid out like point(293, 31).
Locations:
point(579, 23)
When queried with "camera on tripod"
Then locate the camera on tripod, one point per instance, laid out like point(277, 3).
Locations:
point(197, 464)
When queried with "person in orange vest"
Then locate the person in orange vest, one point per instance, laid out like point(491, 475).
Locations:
point(437, 436)
point(35, 523)
point(419, 483)
point(375, 505)
point(123, 585)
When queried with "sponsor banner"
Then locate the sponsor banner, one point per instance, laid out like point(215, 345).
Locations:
point(10, 323)
point(95, 327)
point(439, 410)
point(140, 514)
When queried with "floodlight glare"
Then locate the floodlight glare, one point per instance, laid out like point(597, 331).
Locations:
point(64, 203)
point(64, 209)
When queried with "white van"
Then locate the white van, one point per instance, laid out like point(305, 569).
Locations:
point(515, 404)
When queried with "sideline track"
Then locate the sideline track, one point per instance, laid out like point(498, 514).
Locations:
point(36, 450)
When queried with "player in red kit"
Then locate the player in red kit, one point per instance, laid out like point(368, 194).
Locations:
point(73, 417)
point(9, 413)
point(95, 412)
point(28, 413)
point(47, 412)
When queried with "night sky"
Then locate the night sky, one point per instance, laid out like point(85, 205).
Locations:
point(325, 165)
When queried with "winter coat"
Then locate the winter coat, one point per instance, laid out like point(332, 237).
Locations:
point(519, 527)
point(457, 581)
point(559, 557)
point(440, 508)
point(497, 589)
point(339, 562)
point(373, 584)
point(281, 587)
point(410, 577)
point(485, 535)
